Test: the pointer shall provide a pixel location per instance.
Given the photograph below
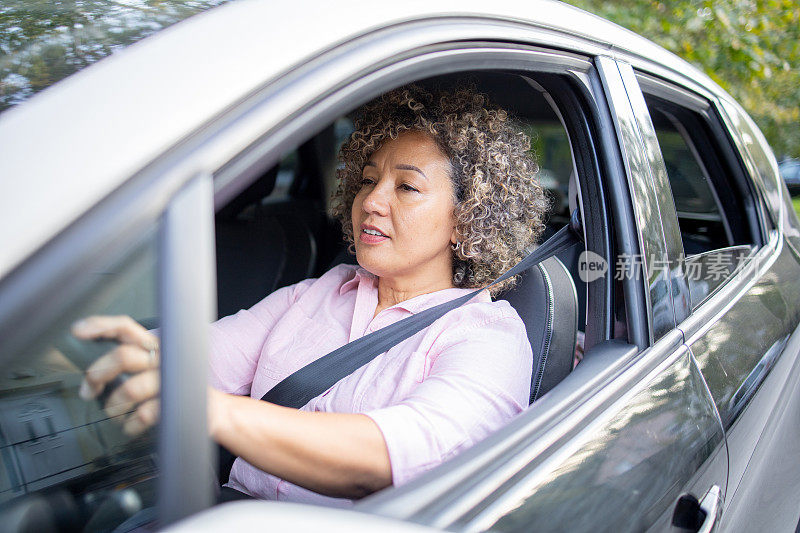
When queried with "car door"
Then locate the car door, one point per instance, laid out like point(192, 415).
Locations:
point(67, 464)
point(632, 428)
point(616, 444)
point(612, 447)
point(741, 278)
point(763, 431)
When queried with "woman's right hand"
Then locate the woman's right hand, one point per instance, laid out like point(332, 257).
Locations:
point(137, 355)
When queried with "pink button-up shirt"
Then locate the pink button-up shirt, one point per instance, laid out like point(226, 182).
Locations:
point(432, 395)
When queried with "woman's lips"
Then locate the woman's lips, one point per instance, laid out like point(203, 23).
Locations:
point(371, 239)
point(371, 234)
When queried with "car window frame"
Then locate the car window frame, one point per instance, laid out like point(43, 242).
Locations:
point(769, 186)
point(630, 125)
point(267, 150)
point(272, 141)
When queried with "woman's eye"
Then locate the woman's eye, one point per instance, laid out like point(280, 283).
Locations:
point(367, 181)
point(407, 187)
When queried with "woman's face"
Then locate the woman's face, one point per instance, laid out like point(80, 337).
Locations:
point(403, 221)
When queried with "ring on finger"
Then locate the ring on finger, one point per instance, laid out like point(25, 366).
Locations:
point(152, 353)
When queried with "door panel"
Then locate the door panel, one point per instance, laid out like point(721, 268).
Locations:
point(739, 350)
point(625, 470)
point(743, 309)
point(768, 497)
point(742, 344)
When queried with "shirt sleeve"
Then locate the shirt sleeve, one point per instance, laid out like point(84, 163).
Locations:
point(236, 340)
point(481, 377)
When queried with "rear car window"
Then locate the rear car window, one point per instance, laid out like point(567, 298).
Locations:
point(702, 223)
point(713, 202)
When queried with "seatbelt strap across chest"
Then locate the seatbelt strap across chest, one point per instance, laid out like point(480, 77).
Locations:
point(320, 375)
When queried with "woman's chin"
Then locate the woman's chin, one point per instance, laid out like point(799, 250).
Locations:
point(368, 266)
point(372, 262)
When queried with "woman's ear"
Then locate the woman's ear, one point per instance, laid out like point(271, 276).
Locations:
point(454, 236)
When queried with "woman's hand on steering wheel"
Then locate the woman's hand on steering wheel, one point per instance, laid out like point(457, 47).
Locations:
point(136, 355)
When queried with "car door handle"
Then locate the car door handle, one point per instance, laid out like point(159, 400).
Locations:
point(697, 516)
point(710, 506)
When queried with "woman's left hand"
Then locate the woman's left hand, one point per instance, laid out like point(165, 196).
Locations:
point(336, 454)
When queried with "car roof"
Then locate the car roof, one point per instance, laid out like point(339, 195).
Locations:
point(76, 142)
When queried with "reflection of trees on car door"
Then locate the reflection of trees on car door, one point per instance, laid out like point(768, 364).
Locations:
point(627, 469)
point(741, 280)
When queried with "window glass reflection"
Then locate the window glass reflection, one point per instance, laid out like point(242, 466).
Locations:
point(61, 452)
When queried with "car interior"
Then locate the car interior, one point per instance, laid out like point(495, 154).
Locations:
point(278, 231)
point(65, 465)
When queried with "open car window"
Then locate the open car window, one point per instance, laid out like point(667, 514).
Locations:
point(279, 230)
point(296, 234)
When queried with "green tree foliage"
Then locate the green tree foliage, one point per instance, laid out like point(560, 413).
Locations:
point(750, 47)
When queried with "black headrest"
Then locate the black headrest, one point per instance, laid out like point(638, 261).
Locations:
point(253, 194)
point(546, 301)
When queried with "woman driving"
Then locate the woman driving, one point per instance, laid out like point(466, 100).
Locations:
point(437, 194)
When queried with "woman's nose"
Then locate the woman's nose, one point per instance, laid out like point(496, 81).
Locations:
point(377, 201)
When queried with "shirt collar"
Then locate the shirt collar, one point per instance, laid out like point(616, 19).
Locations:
point(359, 274)
point(418, 303)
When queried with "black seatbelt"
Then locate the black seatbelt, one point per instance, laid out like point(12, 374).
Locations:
point(318, 376)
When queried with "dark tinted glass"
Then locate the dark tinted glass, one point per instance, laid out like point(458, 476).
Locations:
point(710, 200)
point(690, 188)
point(699, 214)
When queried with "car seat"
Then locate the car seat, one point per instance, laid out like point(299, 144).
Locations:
point(546, 301)
point(260, 248)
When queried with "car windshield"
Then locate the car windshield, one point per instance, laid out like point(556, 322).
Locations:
point(42, 42)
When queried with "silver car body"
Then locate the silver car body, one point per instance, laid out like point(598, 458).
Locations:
point(139, 135)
